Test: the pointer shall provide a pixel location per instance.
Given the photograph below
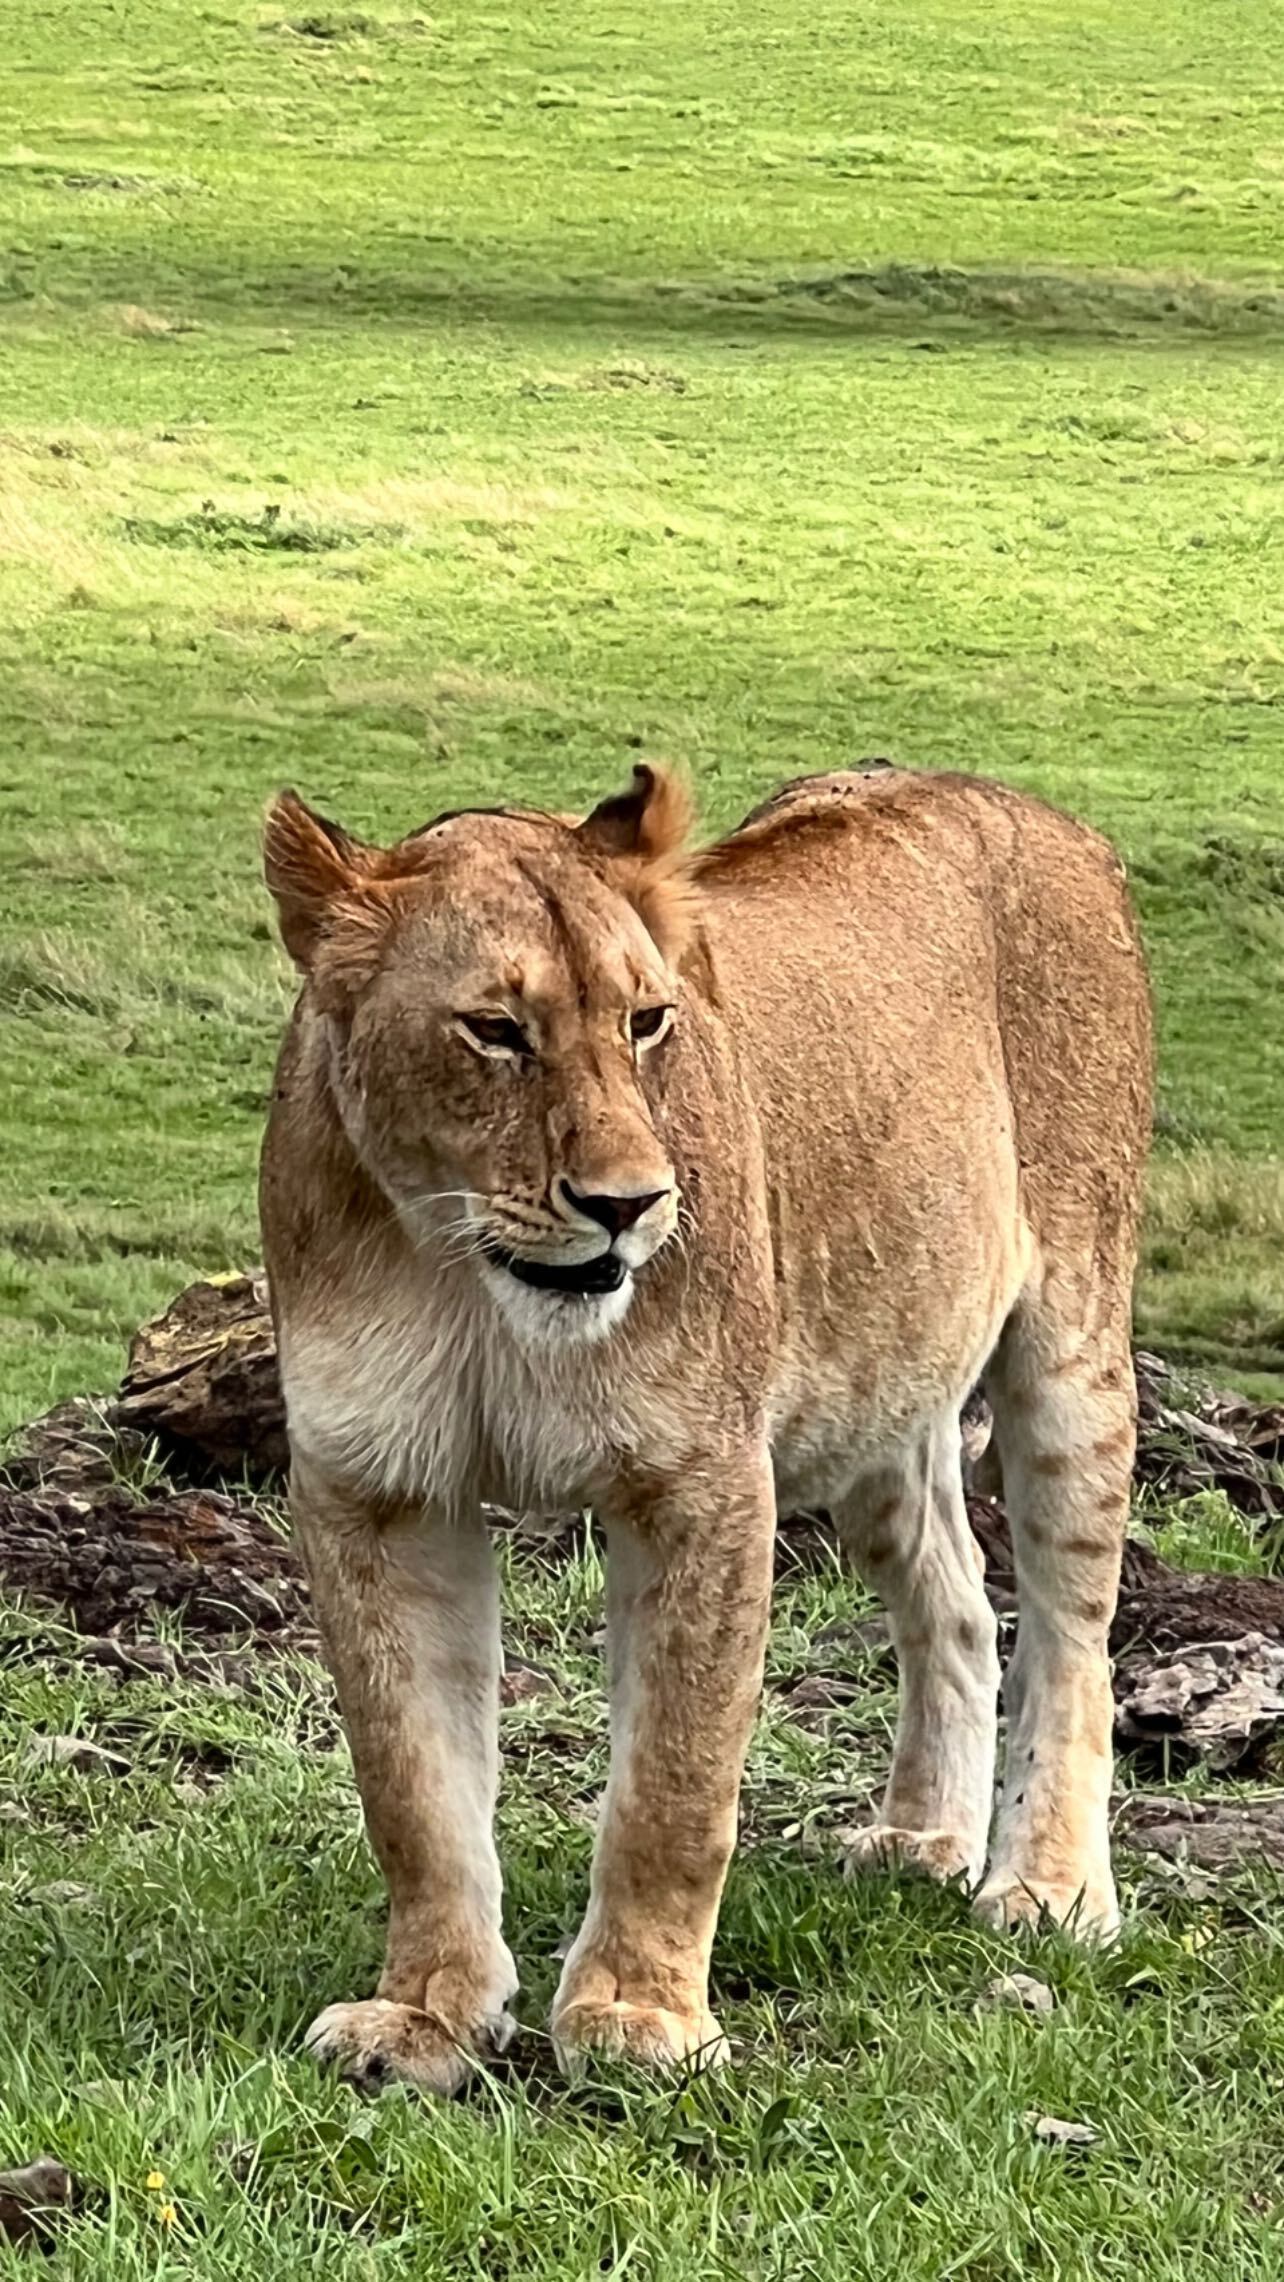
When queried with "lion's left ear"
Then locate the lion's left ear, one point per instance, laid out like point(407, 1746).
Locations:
point(642, 835)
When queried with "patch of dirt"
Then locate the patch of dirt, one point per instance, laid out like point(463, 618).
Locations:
point(1172, 1609)
point(113, 1560)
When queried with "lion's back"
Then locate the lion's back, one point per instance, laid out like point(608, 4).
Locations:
point(949, 912)
point(937, 990)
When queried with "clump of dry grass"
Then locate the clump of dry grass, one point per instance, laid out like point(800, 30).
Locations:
point(1209, 1196)
point(1211, 1285)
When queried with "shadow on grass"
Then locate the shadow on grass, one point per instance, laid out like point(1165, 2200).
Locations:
point(895, 298)
point(868, 299)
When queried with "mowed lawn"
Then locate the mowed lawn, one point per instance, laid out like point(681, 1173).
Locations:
point(425, 408)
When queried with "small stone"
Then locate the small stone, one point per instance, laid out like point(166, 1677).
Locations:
point(1054, 2131)
point(520, 1683)
point(62, 1892)
point(1020, 1992)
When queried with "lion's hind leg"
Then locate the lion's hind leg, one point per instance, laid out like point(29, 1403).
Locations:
point(905, 1527)
point(1064, 1401)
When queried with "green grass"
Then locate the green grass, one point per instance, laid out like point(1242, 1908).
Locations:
point(878, 2115)
point(432, 407)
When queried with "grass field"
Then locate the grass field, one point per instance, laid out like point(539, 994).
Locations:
point(432, 408)
point(166, 1935)
point(422, 408)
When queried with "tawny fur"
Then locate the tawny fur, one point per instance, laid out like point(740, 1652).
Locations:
point(894, 1138)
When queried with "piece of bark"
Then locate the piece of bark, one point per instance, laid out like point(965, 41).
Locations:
point(203, 1379)
point(1213, 1834)
point(1220, 1701)
point(73, 1447)
point(132, 1660)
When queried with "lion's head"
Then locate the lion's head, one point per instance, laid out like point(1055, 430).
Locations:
point(498, 990)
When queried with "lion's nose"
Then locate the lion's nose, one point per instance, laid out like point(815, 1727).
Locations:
point(613, 1213)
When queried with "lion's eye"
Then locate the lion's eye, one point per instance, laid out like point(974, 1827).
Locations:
point(496, 1030)
point(648, 1021)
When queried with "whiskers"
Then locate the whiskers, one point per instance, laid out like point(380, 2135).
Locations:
point(448, 1227)
point(683, 1239)
point(467, 1230)
point(463, 1235)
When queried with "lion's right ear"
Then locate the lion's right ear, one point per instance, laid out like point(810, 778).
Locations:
point(650, 820)
point(640, 836)
point(310, 866)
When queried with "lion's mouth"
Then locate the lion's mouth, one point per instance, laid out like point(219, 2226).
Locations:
point(587, 1279)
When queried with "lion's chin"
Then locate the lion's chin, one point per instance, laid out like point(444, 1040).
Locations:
point(554, 1319)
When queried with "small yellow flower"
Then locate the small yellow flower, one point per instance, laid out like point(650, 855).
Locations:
point(155, 2181)
point(167, 2215)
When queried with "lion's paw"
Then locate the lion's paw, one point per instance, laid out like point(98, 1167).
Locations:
point(377, 2042)
point(1088, 1912)
point(941, 1854)
point(648, 2034)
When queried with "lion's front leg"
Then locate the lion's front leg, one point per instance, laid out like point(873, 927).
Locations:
point(688, 1601)
point(408, 1606)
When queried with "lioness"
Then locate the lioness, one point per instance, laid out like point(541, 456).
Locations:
point(601, 1172)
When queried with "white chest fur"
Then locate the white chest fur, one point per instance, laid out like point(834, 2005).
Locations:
point(445, 1394)
point(429, 1404)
